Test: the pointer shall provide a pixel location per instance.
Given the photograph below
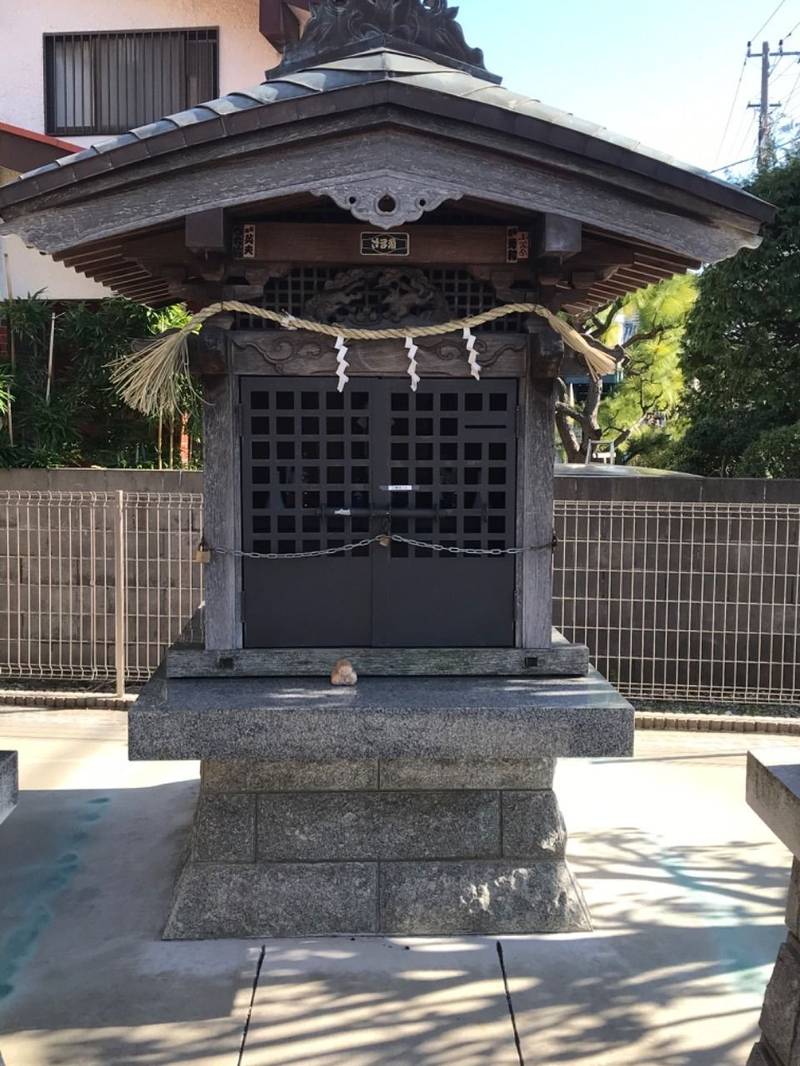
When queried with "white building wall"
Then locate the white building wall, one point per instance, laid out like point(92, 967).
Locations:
point(30, 272)
point(244, 55)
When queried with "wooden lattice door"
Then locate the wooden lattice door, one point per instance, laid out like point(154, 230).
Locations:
point(322, 469)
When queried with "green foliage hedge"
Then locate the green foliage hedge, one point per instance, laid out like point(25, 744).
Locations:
point(83, 422)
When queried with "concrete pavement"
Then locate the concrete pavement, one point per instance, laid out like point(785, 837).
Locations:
point(685, 885)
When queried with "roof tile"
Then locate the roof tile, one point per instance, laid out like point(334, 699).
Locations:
point(249, 109)
point(154, 129)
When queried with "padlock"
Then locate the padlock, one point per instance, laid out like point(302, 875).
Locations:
point(384, 540)
point(202, 553)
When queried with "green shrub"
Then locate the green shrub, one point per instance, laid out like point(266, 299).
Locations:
point(774, 454)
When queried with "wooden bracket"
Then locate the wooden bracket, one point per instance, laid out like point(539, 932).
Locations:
point(557, 237)
point(208, 231)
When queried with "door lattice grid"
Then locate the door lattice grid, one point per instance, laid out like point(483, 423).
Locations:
point(308, 464)
point(451, 447)
point(323, 469)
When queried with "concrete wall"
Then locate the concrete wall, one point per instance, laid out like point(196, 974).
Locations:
point(672, 488)
point(100, 480)
point(669, 488)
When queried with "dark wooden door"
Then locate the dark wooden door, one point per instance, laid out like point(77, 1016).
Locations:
point(322, 469)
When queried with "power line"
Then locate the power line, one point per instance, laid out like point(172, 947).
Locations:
point(749, 159)
point(768, 77)
point(794, 89)
point(786, 36)
point(749, 128)
point(772, 16)
point(765, 106)
point(785, 72)
point(733, 108)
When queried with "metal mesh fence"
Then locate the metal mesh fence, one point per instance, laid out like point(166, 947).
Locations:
point(695, 601)
point(61, 554)
point(675, 600)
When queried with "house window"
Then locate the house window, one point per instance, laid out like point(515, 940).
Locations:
point(112, 82)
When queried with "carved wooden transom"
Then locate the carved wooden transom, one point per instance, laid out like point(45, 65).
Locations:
point(377, 298)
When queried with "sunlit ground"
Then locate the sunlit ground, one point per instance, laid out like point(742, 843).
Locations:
point(684, 883)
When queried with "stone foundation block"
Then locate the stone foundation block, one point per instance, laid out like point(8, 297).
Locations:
point(216, 900)
point(782, 1005)
point(760, 1056)
point(793, 900)
point(294, 848)
point(258, 775)
point(225, 828)
point(462, 898)
point(438, 774)
point(314, 827)
point(533, 826)
point(9, 788)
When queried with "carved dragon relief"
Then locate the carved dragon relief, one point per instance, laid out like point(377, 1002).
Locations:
point(379, 298)
point(386, 200)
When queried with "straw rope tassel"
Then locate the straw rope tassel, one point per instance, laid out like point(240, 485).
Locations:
point(341, 363)
point(151, 379)
point(412, 363)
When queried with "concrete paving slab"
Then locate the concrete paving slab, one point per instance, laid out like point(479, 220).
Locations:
point(686, 887)
point(363, 1002)
point(89, 857)
point(686, 893)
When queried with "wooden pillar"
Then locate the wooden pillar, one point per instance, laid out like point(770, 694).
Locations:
point(222, 504)
point(536, 474)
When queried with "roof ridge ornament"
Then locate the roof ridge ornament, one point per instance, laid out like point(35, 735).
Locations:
point(340, 28)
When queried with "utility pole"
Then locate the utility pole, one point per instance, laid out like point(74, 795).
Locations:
point(764, 106)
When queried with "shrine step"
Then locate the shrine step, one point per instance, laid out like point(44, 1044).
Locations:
point(228, 900)
point(560, 659)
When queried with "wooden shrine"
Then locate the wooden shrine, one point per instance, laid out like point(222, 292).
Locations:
point(387, 501)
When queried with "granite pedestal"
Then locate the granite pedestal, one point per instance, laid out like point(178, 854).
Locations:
point(773, 791)
point(8, 783)
point(401, 806)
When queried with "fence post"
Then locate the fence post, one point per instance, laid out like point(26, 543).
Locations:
point(120, 597)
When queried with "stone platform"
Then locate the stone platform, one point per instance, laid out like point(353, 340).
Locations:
point(8, 783)
point(417, 806)
point(773, 791)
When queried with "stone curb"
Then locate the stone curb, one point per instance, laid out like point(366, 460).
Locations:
point(718, 723)
point(16, 700)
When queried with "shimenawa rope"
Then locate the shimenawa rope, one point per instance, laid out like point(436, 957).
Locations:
point(150, 379)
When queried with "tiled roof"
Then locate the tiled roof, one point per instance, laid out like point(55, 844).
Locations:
point(218, 118)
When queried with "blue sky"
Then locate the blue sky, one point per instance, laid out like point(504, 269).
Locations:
point(662, 71)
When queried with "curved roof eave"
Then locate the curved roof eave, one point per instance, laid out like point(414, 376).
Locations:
point(412, 82)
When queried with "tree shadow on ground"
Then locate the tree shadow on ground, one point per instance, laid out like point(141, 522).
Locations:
point(673, 976)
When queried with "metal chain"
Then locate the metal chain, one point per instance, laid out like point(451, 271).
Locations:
point(294, 555)
point(384, 539)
